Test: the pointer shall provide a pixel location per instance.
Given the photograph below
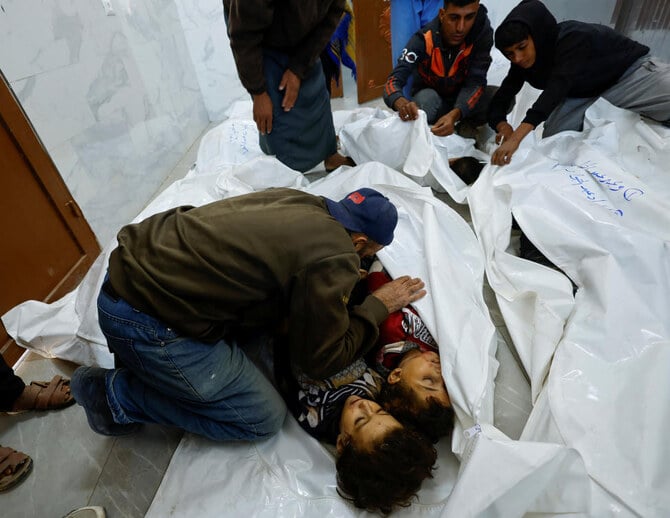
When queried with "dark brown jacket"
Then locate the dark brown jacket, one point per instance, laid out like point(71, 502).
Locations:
point(299, 28)
point(256, 261)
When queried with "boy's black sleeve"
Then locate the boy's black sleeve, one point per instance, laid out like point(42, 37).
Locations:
point(502, 99)
point(562, 78)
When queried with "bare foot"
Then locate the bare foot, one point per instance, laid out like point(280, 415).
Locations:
point(336, 160)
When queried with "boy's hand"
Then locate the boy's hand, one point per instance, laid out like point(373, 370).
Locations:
point(504, 131)
point(400, 292)
point(509, 144)
point(503, 154)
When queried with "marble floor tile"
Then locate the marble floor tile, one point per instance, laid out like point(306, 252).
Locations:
point(67, 457)
point(134, 470)
point(492, 303)
point(72, 465)
point(512, 398)
point(504, 332)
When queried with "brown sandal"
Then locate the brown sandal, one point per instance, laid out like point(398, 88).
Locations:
point(18, 464)
point(44, 395)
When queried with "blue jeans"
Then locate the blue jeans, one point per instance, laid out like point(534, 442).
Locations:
point(208, 389)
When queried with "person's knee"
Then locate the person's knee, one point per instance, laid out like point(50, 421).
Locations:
point(271, 422)
point(263, 422)
point(266, 415)
point(266, 420)
point(429, 101)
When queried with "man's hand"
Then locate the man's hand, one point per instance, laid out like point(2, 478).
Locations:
point(407, 110)
point(446, 124)
point(263, 113)
point(290, 84)
point(400, 292)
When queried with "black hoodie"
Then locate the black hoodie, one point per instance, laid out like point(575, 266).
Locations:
point(573, 59)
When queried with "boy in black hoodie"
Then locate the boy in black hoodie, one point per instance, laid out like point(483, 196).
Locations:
point(574, 63)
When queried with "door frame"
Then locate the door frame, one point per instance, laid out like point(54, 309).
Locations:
point(45, 173)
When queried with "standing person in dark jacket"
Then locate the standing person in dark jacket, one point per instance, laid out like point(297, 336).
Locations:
point(276, 46)
point(574, 63)
point(448, 59)
point(189, 288)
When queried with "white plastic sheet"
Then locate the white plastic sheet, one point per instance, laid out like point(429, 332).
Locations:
point(598, 363)
point(379, 135)
point(293, 475)
point(597, 205)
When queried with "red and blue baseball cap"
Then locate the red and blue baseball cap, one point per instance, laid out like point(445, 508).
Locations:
point(367, 211)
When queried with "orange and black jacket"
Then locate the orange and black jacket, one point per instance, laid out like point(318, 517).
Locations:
point(457, 73)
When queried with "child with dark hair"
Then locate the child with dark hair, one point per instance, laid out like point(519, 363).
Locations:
point(381, 461)
point(415, 393)
point(384, 452)
point(467, 168)
point(407, 357)
point(384, 472)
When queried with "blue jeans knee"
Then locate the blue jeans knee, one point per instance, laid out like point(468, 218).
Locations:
point(211, 389)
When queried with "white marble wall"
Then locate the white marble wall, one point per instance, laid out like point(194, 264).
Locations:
point(115, 99)
point(593, 11)
point(206, 38)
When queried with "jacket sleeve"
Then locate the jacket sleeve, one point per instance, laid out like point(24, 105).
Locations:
point(411, 55)
point(324, 335)
point(478, 68)
point(502, 99)
point(247, 23)
point(560, 80)
point(316, 40)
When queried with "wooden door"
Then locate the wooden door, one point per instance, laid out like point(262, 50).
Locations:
point(372, 27)
point(46, 244)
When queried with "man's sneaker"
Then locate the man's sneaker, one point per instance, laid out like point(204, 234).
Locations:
point(88, 388)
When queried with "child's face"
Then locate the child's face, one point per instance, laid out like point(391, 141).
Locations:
point(364, 423)
point(521, 54)
point(421, 372)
